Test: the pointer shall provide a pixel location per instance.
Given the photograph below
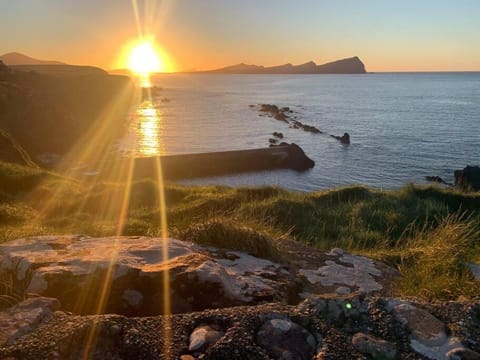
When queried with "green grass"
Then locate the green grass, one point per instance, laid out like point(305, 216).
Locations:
point(428, 233)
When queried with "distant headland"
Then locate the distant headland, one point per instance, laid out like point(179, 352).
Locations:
point(351, 65)
point(15, 58)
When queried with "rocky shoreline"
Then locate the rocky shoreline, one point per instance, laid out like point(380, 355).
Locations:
point(290, 117)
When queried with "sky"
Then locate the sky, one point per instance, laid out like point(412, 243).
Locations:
point(387, 35)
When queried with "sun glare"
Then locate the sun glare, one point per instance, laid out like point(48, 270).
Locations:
point(144, 59)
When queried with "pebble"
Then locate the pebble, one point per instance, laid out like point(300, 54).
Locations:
point(376, 348)
point(203, 337)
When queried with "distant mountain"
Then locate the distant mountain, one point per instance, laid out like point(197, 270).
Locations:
point(345, 66)
point(15, 58)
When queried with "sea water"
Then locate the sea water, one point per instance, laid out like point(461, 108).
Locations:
point(403, 126)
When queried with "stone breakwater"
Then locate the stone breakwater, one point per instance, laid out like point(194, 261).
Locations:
point(226, 304)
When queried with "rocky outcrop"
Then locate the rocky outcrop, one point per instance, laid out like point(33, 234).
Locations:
point(437, 180)
point(343, 315)
point(297, 159)
point(275, 112)
point(75, 269)
point(278, 134)
point(468, 179)
point(345, 139)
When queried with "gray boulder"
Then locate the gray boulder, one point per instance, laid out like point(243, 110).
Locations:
point(130, 273)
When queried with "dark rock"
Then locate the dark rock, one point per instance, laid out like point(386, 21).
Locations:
point(274, 111)
point(269, 108)
point(281, 117)
point(436, 179)
point(284, 339)
point(468, 179)
point(345, 139)
point(378, 349)
point(308, 128)
point(278, 134)
point(297, 159)
point(312, 129)
point(272, 141)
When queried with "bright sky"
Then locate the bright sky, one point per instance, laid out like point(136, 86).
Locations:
point(388, 35)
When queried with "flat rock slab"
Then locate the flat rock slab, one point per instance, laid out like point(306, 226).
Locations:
point(338, 272)
point(425, 327)
point(132, 271)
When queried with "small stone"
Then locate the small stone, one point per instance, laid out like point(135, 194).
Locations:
point(187, 357)
point(376, 348)
point(115, 329)
point(462, 354)
point(336, 252)
point(203, 337)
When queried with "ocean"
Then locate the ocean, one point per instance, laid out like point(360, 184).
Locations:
point(403, 126)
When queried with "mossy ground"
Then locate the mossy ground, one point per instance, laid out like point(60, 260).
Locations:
point(428, 233)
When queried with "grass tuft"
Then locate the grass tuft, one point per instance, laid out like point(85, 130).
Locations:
point(223, 234)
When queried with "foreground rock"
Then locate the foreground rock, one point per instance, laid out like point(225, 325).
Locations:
point(74, 269)
point(345, 314)
point(367, 329)
point(468, 178)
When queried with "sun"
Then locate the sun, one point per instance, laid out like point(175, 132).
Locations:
point(144, 58)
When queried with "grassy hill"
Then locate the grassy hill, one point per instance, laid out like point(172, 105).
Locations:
point(50, 108)
point(428, 233)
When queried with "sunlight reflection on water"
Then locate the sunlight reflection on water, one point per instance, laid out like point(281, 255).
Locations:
point(144, 132)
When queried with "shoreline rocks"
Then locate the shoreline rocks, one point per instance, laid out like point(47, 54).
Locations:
point(344, 139)
point(468, 179)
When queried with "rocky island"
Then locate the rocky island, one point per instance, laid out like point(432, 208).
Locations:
point(351, 65)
